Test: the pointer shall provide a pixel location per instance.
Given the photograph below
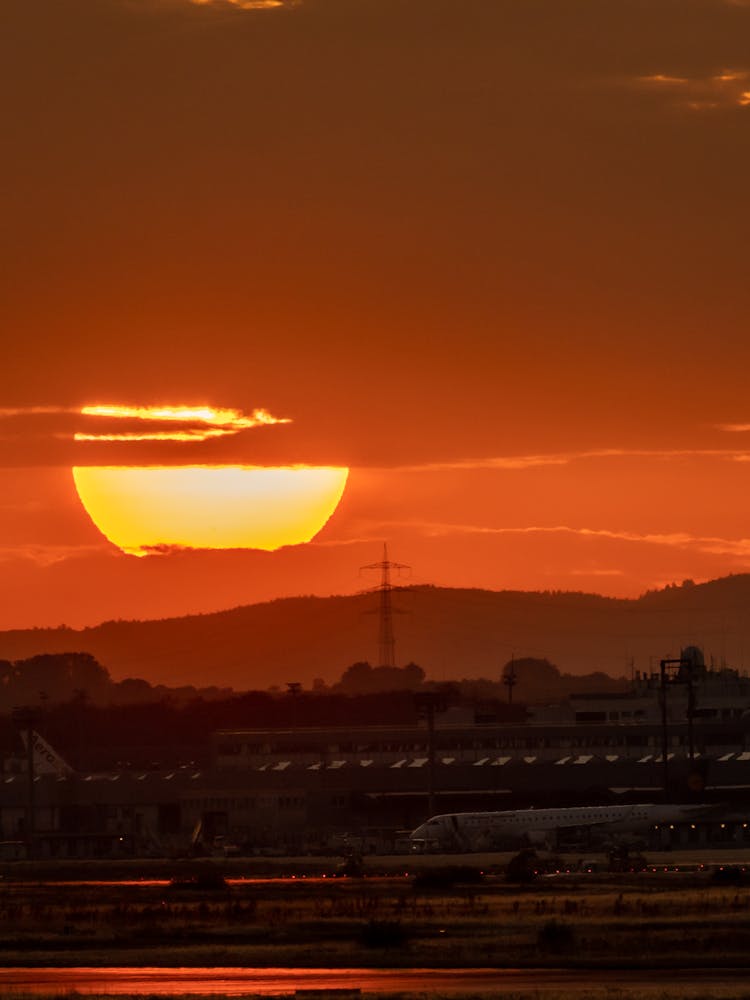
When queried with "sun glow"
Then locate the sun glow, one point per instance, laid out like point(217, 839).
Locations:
point(151, 509)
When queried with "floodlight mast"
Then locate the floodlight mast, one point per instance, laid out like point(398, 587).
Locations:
point(684, 664)
point(510, 678)
point(25, 719)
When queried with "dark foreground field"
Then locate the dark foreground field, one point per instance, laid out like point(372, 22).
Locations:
point(667, 919)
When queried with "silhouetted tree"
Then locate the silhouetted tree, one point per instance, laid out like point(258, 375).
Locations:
point(361, 678)
point(58, 676)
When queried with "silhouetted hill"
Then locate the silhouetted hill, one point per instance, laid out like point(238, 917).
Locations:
point(451, 633)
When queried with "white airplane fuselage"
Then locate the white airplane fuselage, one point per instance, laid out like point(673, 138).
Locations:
point(479, 830)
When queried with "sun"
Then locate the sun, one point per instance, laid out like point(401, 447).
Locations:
point(148, 509)
point(144, 509)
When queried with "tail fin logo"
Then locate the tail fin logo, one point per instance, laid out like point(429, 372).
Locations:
point(46, 760)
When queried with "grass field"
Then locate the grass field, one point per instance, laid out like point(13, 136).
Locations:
point(664, 919)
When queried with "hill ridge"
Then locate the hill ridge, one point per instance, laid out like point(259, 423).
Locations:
point(451, 632)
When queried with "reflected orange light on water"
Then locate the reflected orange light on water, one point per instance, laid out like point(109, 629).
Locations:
point(244, 982)
point(147, 509)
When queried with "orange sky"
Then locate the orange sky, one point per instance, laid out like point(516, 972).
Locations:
point(490, 255)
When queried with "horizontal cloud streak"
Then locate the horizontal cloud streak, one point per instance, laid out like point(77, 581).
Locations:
point(191, 424)
point(33, 411)
point(212, 421)
point(521, 462)
point(189, 435)
point(44, 555)
point(739, 547)
point(729, 88)
point(247, 4)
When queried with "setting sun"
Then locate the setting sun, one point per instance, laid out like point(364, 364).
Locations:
point(147, 509)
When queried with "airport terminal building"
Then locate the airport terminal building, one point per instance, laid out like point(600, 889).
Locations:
point(311, 789)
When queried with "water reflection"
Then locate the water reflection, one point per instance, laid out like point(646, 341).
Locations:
point(152, 882)
point(232, 982)
point(241, 982)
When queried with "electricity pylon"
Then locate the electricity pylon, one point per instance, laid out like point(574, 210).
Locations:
point(386, 639)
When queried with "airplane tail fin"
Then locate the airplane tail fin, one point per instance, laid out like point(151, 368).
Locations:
point(46, 759)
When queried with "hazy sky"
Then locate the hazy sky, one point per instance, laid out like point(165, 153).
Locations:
point(491, 254)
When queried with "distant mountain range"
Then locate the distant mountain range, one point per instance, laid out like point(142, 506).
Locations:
point(451, 633)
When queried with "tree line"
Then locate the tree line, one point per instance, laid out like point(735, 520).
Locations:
point(98, 723)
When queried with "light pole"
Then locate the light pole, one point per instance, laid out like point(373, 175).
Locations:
point(510, 679)
point(293, 690)
point(685, 665)
point(427, 704)
point(24, 718)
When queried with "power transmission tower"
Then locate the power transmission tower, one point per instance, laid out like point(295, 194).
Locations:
point(386, 639)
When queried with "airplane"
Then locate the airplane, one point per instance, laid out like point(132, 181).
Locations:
point(477, 831)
